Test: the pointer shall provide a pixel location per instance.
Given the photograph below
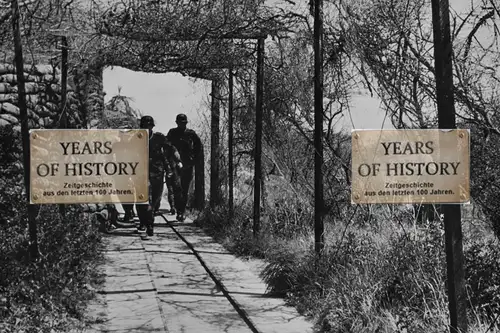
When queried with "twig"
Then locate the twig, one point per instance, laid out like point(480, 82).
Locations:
point(493, 323)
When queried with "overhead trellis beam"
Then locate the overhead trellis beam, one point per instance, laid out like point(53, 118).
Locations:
point(147, 37)
point(187, 57)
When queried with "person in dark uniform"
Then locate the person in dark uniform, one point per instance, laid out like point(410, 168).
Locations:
point(162, 154)
point(173, 182)
point(188, 144)
point(129, 212)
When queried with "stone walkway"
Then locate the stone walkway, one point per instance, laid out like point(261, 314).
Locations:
point(182, 281)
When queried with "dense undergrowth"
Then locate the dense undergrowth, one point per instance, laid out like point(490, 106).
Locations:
point(50, 294)
point(388, 275)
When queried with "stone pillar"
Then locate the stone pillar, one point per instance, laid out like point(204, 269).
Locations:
point(88, 81)
point(89, 87)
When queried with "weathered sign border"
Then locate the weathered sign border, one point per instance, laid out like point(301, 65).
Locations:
point(378, 153)
point(103, 169)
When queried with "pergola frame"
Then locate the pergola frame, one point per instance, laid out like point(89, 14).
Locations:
point(215, 182)
point(258, 30)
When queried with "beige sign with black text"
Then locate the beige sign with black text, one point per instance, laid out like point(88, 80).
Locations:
point(89, 166)
point(410, 166)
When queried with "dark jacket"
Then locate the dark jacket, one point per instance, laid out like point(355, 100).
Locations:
point(187, 143)
point(163, 156)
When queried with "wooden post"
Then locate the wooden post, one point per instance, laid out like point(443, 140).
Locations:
point(230, 146)
point(64, 87)
point(457, 302)
point(215, 146)
point(199, 181)
point(23, 112)
point(318, 127)
point(258, 136)
point(64, 81)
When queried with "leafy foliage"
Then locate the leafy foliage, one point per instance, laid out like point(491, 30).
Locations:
point(118, 113)
point(483, 277)
point(51, 293)
point(485, 181)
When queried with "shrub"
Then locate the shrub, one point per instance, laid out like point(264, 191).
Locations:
point(415, 269)
point(485, 181)
point(482, 271)
point(288, 218)
point(51, 293)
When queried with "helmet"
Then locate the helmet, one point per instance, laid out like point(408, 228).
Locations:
point(147, 121)
point(181, 118)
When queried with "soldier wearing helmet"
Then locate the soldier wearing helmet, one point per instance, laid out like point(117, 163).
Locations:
point(189, 146)
point(163, 158)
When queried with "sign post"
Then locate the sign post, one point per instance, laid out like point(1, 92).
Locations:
point(446, 119)
point(420, 166)
point(64, 90)
point(215, 153)
point(258, 137)
point(230, 138)
point(319, 237)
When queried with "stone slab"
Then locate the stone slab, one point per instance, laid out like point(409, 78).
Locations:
point(177, 273)
point(117, 243)
point(271, 315)
point(126, 272)
point(199, 240)
point(133, 313)
point(199, 313)
point(164, 257)
point(138, 268)
point(174, 264)
point(128, 283)
point(194, 285)
point(118, 258)
point(234, 274)
point(160, 243)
